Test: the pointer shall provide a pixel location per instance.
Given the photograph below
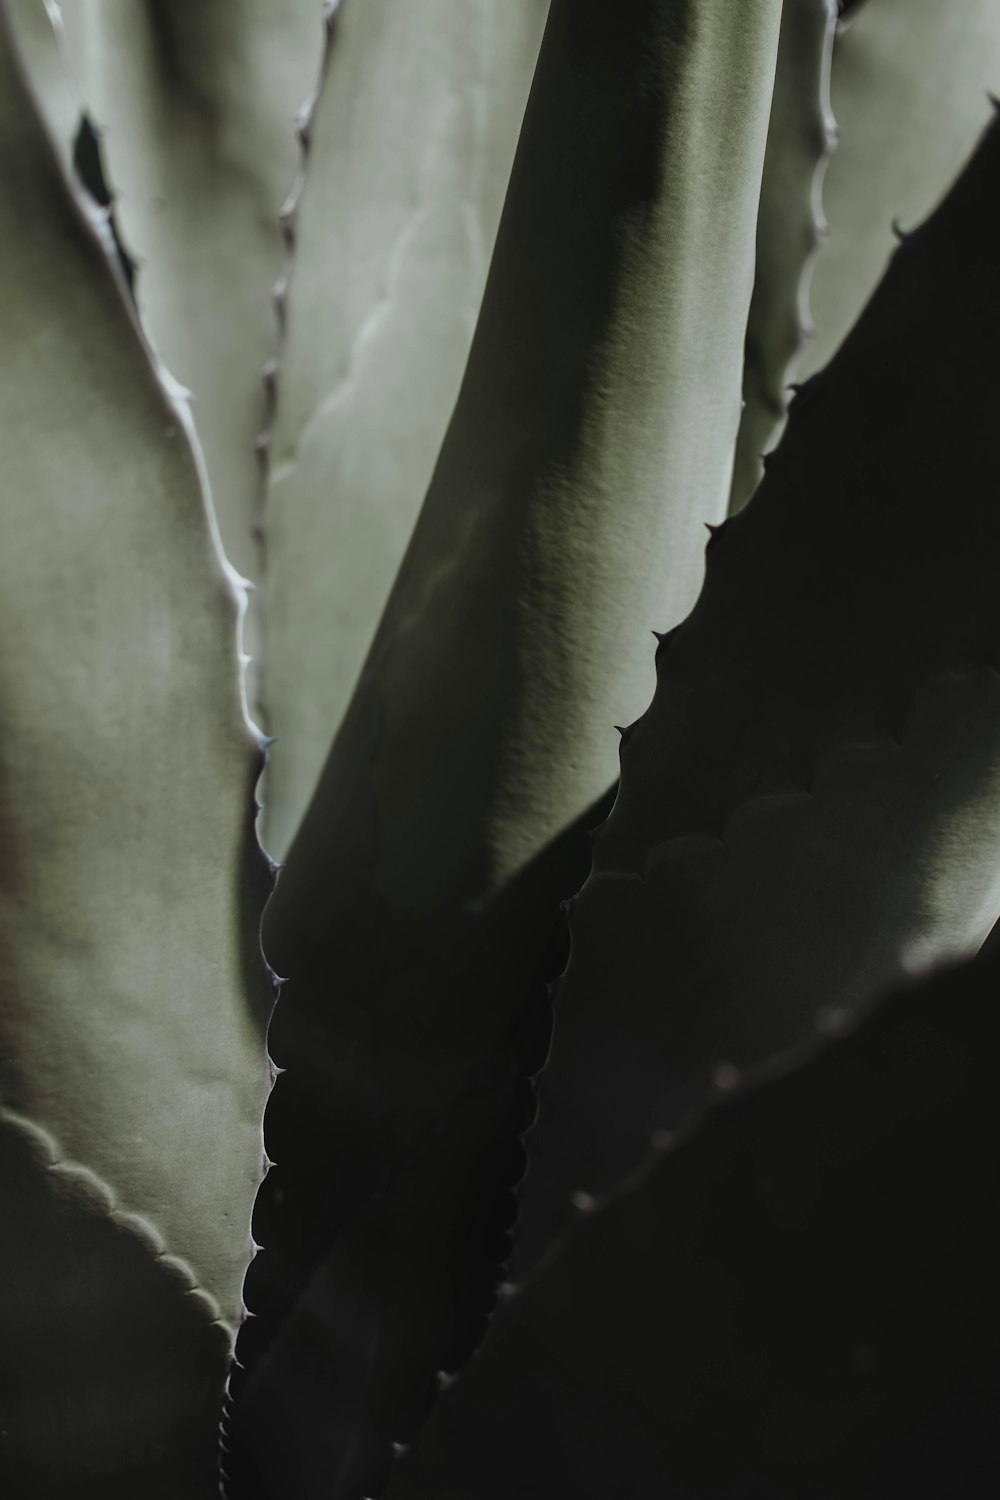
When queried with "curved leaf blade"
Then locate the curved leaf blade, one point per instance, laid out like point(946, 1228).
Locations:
point(796, 1296)
point(908, 85)
point(135, 998)
point(593, 431)
point(410, 148)
point(809, 808)
point(790, 227)
point(197, 106)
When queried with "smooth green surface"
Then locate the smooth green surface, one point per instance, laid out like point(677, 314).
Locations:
point(591, 440)
point(909, 86)
point(810, 808)
point(411, 146)
point(134, 998)
point(197, 100)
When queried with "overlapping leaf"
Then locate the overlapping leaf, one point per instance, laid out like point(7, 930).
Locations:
point(197, 104)
point(132, 1067)
point(796, 1300)
point(810, 807)
point(790, 223)
point(411, 144)
point(592, 437)
point(909, 82)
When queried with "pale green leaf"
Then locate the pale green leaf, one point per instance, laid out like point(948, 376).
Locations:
point(132, 1066)
point(411, 146)
point(197, 103)
point(909, 84)
point(592, 438)
point(810, 808)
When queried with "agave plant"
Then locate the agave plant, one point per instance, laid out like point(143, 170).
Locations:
point(441, 1094)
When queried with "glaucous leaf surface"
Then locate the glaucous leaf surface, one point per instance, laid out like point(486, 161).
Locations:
point(810, 807)
point(132, 1067)
point(592, 437)
point(909, 84)
point(197, 103)
point(800, 136)
point(411, 144)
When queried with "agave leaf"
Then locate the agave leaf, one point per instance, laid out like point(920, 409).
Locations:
point(795, 1297)
point(411, 145)
point(810, 807)
point(800, 137)
point(132, 1066)
point(592, 437)
point(908, 87)
point(197, 104)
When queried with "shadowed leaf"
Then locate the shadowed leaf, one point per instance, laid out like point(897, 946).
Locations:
point(809, 809)
point(795, 1301)
point(790, 226)
point(909, 84)
point(592, 436)
point(411, 144)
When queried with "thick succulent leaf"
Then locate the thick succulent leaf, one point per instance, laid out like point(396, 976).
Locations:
point(386, 1220)
point(592, 437)
point(411, 144)
point(795, 1300)
point(113, 1357)
point(197, 104)
point(810, 807)
point(909, 83)
point(800, 137)
point(135, 999)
